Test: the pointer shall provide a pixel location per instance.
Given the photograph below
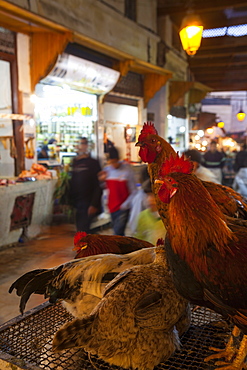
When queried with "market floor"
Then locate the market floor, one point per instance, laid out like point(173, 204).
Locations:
point(52, 247)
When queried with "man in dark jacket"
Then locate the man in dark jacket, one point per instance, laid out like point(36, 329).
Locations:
point(85, 190)
point(241, 159)
point(214, 160)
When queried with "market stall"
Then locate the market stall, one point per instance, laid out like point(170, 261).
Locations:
point(27, 204)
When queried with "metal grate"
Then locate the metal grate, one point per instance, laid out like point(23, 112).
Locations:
point(28, 339)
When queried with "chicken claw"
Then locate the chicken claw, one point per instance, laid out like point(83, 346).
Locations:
point(239, 361)
point(229, 351)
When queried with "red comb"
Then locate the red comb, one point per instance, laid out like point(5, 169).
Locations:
point(176, 164)
point(78, 236)
point(148, 129)
point(160, 241)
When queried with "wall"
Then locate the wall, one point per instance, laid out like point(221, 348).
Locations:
point(6, 161)
point(158, 106)
point(175, 60)
point(23, 42)
point(147, 14)
point(24, 86)
point(96, 20)
point(116, 117)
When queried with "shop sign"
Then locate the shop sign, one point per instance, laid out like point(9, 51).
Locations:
point(83, 75)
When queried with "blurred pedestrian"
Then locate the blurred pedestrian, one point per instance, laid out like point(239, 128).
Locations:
point(240, 166)
point(203, 173)
point(85, 190)
point(214, 160)
point(52, 141)
point(120, 182)
point(44, 152)
point(108, 144)
point(241, 158)
point(149, 226)
point(138, 203)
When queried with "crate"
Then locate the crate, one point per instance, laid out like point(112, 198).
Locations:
point(26, 341)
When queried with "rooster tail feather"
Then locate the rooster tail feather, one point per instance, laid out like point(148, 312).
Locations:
point(37, 285)
point(20, 283)
point(73, 334)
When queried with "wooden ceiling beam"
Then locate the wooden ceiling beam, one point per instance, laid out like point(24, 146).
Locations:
point(163, 7)
point(213, 15)
point(228, 86)
point(225, 77)
point(221, 53)
point(213, 20)
point(217, 63)
point(214, 47)
point(223, 42)
point(221, 62)
point(205, 71)
point(219, 20)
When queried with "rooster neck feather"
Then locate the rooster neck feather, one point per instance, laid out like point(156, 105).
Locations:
point(166, 152)
point(196, 223)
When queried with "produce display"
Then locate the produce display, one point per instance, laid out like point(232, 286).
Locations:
point(37, 171)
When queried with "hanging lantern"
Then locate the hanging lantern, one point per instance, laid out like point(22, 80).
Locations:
point(240, 115)
point(191, 33)
point(221, 124)
point(210, 130)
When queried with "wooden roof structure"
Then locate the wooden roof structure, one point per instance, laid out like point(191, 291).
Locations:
point(221, 62)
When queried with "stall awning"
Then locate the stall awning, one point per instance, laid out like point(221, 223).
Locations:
point(154, 76)
point(49, 36)
point(82, 75)
point(177, 90)
point(205, 120)
point(198, 92)
point(48, 39)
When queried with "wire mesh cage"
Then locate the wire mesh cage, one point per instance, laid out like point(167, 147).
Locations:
point(28, 340)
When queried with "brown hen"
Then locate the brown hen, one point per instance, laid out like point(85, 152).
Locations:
point(136, 323)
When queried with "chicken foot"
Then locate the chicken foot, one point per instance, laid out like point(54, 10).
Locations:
point(229, 351)
point(239, 361)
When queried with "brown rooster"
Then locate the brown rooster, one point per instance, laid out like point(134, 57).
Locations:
point(137, 322)
point(155, 150)
point(207, 255)
point(92, 244)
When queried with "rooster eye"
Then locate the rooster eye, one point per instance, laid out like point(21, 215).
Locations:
point(153, 140)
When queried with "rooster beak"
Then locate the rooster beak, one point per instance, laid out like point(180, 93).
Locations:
point(79, 247)
point(138, 143)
